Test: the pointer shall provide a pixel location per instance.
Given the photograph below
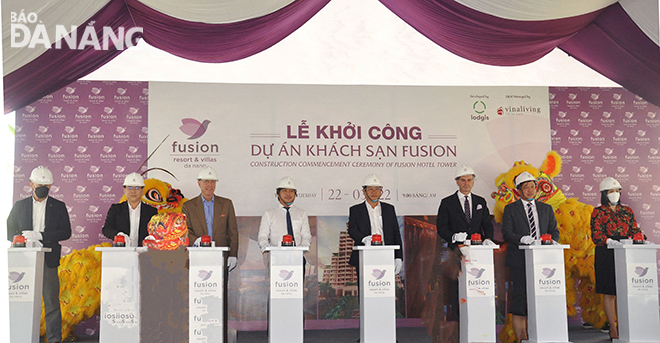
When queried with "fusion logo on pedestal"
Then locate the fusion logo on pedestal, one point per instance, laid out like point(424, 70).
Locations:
point(477, 273)
point(204, 275)
point(640, 278)
point(378, 274)
point(285, 275)
point(15, 278)
point(549, 273)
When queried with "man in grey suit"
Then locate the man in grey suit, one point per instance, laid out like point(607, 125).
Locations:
point(523, 222)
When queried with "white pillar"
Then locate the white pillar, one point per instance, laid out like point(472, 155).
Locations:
point(26, 278)
point(377, 294)
point(636, 292)
point(287, 281)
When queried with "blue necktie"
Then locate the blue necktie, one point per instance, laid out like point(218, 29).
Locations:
point(289, 225)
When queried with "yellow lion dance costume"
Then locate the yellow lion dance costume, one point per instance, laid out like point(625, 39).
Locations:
point(573, 221)
point(80, 271)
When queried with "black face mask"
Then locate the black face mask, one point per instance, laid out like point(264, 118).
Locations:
point(41, 191)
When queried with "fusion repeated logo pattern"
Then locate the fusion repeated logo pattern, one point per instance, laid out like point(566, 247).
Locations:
point(602, 132)
point(90, 134)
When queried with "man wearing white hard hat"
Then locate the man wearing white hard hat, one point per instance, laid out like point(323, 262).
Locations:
point(459, 216)
point(284, 219)
point(523, 223)
point(374, 217)
point(44, 220)
point(212, 215)
point(130, 218)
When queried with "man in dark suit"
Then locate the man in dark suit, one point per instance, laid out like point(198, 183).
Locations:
point(374, 217)
point(209, 214)
point(523, 222)
point(42, 218)
point(459, 216)
point(463, 213)
point(130, 218)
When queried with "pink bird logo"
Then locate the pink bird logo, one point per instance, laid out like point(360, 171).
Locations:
point(193, 128)
point(476, 272)
point(548, 273)
point(640, 271)
point(16, 276)
point(204, 275)
point(378, 274)
point(286, 274)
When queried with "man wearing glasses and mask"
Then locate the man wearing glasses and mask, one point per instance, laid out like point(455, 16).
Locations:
point(44, 220)
point(130, 218)
point(374, 217)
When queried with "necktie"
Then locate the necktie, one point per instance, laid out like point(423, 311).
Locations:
point(532, 224)
point(289, 225)
point(467, 209)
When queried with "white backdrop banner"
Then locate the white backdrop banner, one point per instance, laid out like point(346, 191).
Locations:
point(328, 138)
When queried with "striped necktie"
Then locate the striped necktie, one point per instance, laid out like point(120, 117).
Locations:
point(532, 224)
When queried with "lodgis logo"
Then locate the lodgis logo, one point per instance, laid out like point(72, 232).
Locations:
point(28, 31)
point(479, 107)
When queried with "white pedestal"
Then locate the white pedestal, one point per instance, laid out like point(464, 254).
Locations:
point(287, 279)
point(377, 294)
point(26, 279)
point(206, 279)
point(546, 293)
point(120, 295)
point(637, 292)
point(476, 291)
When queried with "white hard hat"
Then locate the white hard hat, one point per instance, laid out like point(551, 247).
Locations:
point(207, 173)
point(134, 179)
point(464, 170)
point(524, 177)
point(371, 180)
point(41, 176)
point(286, 182)
point(609, 183)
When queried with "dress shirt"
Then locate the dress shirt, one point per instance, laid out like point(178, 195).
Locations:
point(134, 219)
point(208, 215)
point(376, 218)
point(273, 227)
point(39, 215)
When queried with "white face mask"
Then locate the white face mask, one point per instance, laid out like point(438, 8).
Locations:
point(614, 197)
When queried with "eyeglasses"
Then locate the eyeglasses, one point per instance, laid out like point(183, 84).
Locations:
point(133, 187)
point(374, 189)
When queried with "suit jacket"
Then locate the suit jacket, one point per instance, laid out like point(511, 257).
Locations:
point(359, 226)
point(118, 220)
point(515, 225)
point(58, 226)
point(225, 228)
point(451, 218)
